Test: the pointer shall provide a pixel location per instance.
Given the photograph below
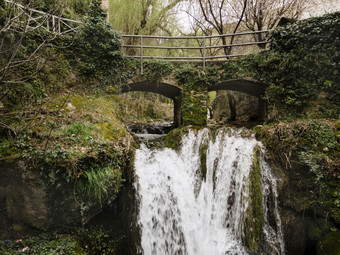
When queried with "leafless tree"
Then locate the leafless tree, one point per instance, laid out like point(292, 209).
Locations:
point(264, 14)
point(17, 24)
point(215, 16)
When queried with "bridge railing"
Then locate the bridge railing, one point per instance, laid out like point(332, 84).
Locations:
point(193, 48)
point(33, 19)
point(200, 49)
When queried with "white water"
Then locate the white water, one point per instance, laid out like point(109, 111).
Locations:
point(181, 214)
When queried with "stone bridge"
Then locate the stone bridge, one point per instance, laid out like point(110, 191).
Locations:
point(172, 90)
point(168, 88)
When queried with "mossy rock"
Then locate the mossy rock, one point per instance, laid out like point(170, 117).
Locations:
point(203, 160)
point(258, 129)
point(330, 245)
point(254, 215)
point(174, 138)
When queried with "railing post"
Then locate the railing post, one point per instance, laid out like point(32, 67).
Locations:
point(59, 26)
point(141, 54)
point(53, 24)
point(203, 52)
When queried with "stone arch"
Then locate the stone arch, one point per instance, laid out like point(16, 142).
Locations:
point(165, 89)
point(249, 87)
point(246, 86)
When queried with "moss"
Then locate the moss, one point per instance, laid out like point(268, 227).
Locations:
point(66, 139)
point(337, 125)
point(106, 130)
point(174, 137)
point(194, 110)
point(78, 101)
point(254, 214)
point(258, 129)
point(330, 245)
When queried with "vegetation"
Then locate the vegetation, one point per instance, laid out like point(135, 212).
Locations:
point(97, 47)
point(59, 116)
point(89, 240)
point(311, 143)
point(143, 17)
point(253, 222)
point(195, 81)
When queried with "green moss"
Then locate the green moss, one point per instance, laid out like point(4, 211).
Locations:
point(194, 110)
point(78, 101)
point(254, 214)
point(337, 124)
point(174, 137)
point(330, 245)
point(106, 131)
point(64, 139)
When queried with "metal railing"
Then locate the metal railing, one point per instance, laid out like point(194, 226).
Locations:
point(35, 18)
point(202, 48)
point(204, 53)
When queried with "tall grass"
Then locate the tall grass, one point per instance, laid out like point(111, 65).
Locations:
point(100, 182)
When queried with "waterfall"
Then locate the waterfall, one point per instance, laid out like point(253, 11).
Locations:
point(196, 201)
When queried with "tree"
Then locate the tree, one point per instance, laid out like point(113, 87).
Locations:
point(215, 16)
point(265, 14)
point(26, 37)
point(98, 46)
point(21, 43)
point(147, 17)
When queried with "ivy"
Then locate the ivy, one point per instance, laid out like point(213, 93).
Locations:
point(155, 71)
point(98, 47)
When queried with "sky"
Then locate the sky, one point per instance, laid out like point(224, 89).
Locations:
point(321, 7)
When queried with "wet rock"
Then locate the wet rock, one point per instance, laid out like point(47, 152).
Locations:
point(295, 236)
point(33, 200)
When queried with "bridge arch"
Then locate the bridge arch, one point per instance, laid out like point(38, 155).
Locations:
point(249, 87)
point(165, 89)
point(241, 85)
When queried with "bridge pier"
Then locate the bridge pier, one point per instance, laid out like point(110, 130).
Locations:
point(177, 111)
point(262, 109)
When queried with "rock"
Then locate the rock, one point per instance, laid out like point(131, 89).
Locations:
point(313, 231)
point(70, 107)
point(295, 237)
point(330, 245)
point(246, 106)
point(35, 201)
point(325, 149)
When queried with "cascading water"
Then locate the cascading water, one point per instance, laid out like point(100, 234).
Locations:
point(194, 203)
